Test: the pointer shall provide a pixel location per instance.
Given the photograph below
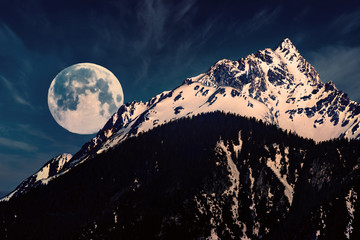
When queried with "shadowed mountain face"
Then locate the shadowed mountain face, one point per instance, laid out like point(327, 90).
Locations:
point(213, 176)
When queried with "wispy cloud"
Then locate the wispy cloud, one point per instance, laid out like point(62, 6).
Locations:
point(183, 9)
point(339, 64)
point(152, 17)
point(8, 39)
point(7, 142)
point(31, 130)
point(14, 55)
point(262, 18)
point(347, 22)
point(259, 19)
point(303, 14)
point(15, 93)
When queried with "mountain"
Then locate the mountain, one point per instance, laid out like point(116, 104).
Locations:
point(188, 179)
point(46, 173)
point(222, 176)
point(276, 85)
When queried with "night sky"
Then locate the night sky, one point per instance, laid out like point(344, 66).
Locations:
point(151, 46)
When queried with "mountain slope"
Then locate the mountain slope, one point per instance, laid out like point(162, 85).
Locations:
point(51, 169)
point(190, 180)
point(277, 86)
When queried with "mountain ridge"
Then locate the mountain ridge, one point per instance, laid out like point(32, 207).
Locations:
point(43, 176)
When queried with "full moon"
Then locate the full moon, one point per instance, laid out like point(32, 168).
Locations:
point(83, 97)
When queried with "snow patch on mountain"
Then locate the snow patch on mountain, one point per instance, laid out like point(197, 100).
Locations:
point(276, 166)
point(350, 200)
point(234, 177)
point(43, 173)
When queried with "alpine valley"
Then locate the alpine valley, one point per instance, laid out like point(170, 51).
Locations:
point(258, 148)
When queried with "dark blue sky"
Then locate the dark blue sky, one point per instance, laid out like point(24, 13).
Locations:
point(151, 46)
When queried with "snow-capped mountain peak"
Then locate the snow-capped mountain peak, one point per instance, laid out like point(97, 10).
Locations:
point(280, 66)
point(297, 65)
point(287, 45)
point(276, 85)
